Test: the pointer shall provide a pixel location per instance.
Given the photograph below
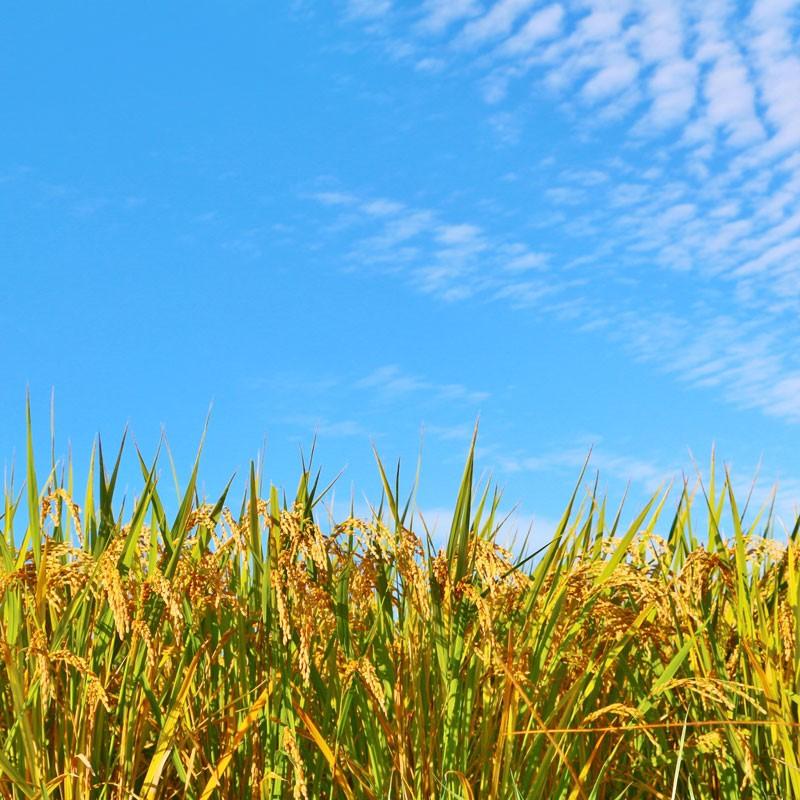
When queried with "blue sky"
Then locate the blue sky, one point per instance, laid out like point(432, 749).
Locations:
point(376, 221)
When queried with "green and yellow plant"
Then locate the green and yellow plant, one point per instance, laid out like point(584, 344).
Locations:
point(259, 654)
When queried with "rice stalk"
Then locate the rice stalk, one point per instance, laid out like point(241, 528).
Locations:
point(259, 654)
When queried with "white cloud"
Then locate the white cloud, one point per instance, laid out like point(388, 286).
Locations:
point(604, 21)
point(687, 221)
point(507, 127)
point(661, 31)
point(697, 344)
point(368, 9)
point(497, 22)
point(449, 433)
point(391, 382)
point(542, 25)
point(527, 260)
point(334, 198)
point(731, 101)
point(401, 228)
point(382, 208)
point(566, 195)
point(431, 65)
point(618, 74)
point(647, 477)
point(450, 260)
point(673, 88)
point(458, 234)
point(329, 429)
point(438, 15)
point(775, 51)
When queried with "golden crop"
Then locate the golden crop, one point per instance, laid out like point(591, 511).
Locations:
point(259, 656)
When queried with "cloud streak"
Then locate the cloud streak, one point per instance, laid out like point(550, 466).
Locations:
point(682, 240)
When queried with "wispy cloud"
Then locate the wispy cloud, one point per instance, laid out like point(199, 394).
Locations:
point(682, 240)
point(334, 198)
point(438, 15)
point(714, 340)
point(449, 433)
point(645, 476)
point(392, 382)
point(330, 429)
point(452, 261)
point(354, 405)
point(544, 24)
point(496, 23)
point(387, 381)
point(368, 9)
point(649, 475)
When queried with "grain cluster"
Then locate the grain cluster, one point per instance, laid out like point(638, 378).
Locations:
point(255, 653)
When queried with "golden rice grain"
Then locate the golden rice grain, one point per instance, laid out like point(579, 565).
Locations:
point(300, 789)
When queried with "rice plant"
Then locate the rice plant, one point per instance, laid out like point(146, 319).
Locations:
point(253, 652)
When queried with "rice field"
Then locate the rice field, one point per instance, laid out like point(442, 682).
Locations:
point(255, 649)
